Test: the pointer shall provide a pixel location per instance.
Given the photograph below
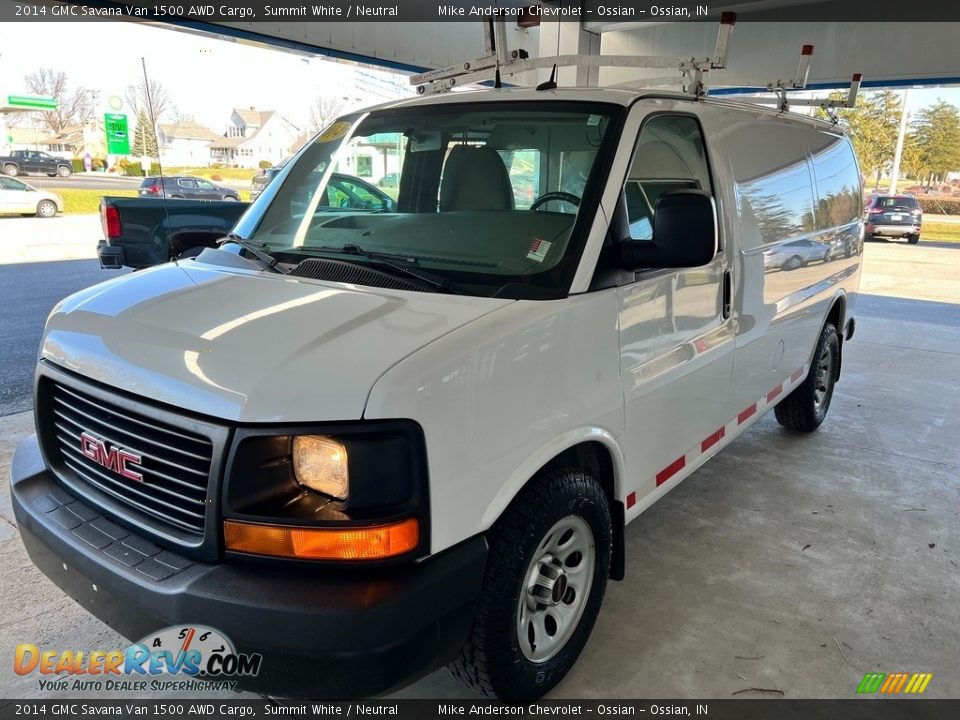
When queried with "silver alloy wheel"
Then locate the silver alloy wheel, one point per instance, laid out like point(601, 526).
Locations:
point(63, 171)
point(46, 209)
point(824, 377)
point(556, 587)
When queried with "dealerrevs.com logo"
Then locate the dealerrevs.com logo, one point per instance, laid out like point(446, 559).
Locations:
point(188, 658)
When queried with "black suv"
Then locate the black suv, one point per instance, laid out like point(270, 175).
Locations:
point(894, 216)
point(185, 187)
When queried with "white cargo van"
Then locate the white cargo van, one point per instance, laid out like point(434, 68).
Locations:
point(367, 439)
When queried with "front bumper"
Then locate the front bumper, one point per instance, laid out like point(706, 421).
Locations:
point(321, 633)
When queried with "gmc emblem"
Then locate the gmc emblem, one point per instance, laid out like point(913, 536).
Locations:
point(112, 458)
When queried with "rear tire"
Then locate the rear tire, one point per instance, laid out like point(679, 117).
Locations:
point(46, 209)
point(913, 239)
point(10, 170)
point(544, 582)
point(806, 407)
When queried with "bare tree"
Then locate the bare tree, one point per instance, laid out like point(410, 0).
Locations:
point(180, 117)
point(73, 106)
point(325, 109)
point(155, 103)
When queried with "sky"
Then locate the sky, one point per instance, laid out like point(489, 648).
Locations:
point(205, 77)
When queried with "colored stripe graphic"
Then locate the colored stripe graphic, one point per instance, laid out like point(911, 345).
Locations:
point(871, 682)
point(712, 440)
point(670, 470)
point(692, 457)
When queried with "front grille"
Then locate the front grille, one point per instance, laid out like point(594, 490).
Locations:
point(175, 463)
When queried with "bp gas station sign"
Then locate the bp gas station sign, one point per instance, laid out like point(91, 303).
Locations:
point(118, 134)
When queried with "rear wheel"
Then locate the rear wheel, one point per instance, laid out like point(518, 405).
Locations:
point(10, 170)
point(544, 583)
point(913, 239)
point(806, 407)
point(46, 209)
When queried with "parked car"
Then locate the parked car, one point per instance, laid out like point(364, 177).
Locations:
point(34, 162)
point(796, 254)
point(19, 198)
point(367, 444)
point(139, 233)
point(390, 180)
point(185, 187)
point(897, 216)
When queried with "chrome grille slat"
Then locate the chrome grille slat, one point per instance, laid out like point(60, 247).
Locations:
point(176, 462)
point(98, 478)
point(136, 449)
point(109, 429)
point(153, 473)
point(180, 435)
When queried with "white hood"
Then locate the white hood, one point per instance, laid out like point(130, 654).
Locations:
point(247, 346)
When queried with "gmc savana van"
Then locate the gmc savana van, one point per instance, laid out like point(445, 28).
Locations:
point(370, 441)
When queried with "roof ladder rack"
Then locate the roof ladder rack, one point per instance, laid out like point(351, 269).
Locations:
point(497, 57)
point(780, 88)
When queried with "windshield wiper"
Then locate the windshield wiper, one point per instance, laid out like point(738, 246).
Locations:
point(268, 261)
point(384, 261)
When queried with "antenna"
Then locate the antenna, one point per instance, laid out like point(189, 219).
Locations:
point(550, 84)
point(156, 140)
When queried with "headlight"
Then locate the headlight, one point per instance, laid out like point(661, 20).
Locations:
point(331, 491)
point(320, 463)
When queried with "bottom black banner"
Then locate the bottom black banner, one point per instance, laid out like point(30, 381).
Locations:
point(881, 709)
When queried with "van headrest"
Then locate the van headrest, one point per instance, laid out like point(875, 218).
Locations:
point(475, 178)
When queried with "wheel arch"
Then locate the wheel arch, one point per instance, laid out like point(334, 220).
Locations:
point(837, 316)
point(593, 450)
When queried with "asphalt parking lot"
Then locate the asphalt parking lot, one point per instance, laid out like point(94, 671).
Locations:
point(787, 566)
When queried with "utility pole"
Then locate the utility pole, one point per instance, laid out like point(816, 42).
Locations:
point(898, 153)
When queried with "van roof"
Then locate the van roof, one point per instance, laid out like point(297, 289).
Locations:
point(617, 96)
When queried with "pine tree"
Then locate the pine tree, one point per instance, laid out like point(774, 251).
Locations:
point(144, 139)
point(936, 133)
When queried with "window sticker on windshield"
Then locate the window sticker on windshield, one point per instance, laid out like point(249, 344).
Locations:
point(334, 132)
point(539, 249)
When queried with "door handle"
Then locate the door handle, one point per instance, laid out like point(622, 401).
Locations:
point(727, 293)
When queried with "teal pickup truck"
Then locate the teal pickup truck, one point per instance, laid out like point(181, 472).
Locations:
point(142, 232)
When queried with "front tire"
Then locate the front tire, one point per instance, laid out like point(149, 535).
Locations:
point(10, 170)
point(544, 582)
point(46, 209)
point(63, 171)
point(806, 407)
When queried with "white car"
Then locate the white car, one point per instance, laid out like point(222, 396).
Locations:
point(368, 443)
point(20, 198)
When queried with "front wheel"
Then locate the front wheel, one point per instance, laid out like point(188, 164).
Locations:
point(64, 171)
point(544, 582)
point(10, 170)
point(46, 209)
point(806, 407)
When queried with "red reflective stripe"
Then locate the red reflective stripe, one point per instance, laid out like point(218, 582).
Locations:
point(773, 393)
point(631, 500)
point(712, 440)
point(742, 417)
point(670, 470)
point(797, 374)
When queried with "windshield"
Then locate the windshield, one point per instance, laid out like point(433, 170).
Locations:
point(483, 194)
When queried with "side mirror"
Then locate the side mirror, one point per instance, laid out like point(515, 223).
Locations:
point(684, 233)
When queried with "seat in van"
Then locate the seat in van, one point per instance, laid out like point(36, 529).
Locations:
point(475, 178)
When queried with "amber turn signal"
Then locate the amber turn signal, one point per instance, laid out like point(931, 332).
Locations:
point(310, 543)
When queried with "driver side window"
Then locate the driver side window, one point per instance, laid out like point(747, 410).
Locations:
point(670, 155)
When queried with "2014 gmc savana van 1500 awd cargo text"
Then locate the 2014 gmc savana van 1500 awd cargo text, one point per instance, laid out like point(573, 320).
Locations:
point(367, 442)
